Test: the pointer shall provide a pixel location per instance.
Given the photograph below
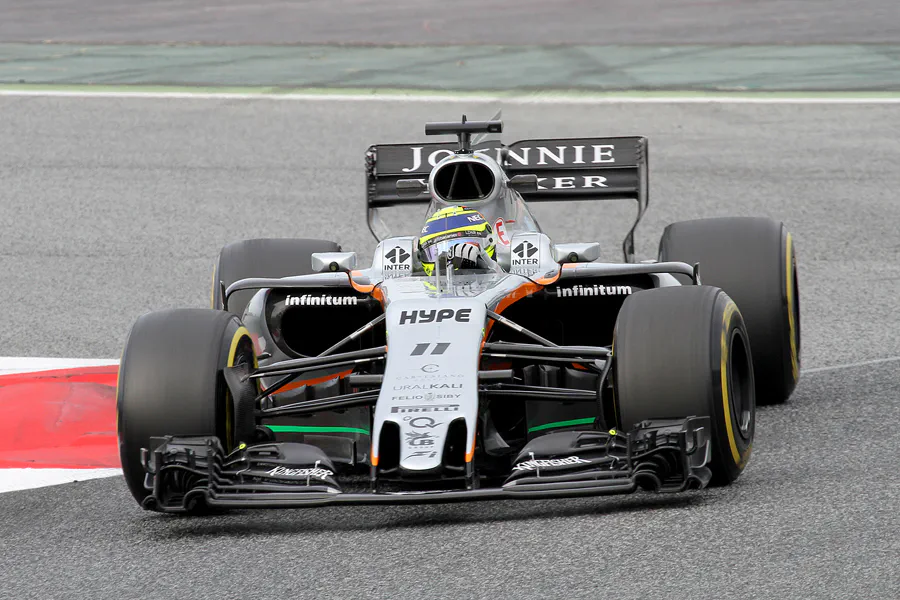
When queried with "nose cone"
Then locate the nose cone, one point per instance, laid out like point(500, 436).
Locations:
point(430, 380)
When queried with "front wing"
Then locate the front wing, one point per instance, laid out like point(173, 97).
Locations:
point(190, 473)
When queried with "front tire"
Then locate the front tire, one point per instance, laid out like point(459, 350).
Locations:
point(684, 351)
point(171, 383)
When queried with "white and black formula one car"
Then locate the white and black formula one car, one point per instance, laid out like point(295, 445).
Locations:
point(537, 372)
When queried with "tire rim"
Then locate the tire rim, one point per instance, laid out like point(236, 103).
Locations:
point(740, 384)
point(245, 354)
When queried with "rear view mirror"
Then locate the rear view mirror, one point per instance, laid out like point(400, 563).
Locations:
point(325, 262)
point(524, 183)
point(411, 187)
point(576, 253)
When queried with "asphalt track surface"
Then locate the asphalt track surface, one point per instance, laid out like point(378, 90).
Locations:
point(112, 207)
point(429, 22)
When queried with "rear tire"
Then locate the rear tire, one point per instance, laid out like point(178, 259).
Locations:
point(753, 260)
point(683, 351)
point(262, 258)
point(171, 383)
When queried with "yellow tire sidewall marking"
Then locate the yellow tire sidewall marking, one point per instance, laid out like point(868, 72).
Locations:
point(232, 352)
point(789, 263)
point(739, 460)
point(212, 290)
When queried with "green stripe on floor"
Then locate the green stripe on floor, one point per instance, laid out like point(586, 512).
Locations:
point(315, 429)
point(588, 420)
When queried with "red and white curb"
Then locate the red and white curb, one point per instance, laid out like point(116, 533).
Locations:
point(58, 421)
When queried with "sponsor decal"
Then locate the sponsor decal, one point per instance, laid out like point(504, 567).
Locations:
point(474, 219)
point(593, 290)
point(317, 472)
point(523, 254)
point(320, 300)
point(468, 288)
point(430, 368)
point(419, 438)
point(426, 408)
point(528, 272)
point(423, 453)
point(432, 158)
point(500, 230)
point(460, 315)
point(429, 376)
point(595, 154)
point(421, 349)
point(571, 182)
point(592, 154)
point(454, 235)
point(398, 259)
point(536, 463)
point(422, 422)
point(428, 396)
point(427, 386)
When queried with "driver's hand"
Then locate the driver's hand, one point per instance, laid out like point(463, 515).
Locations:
point(464, 256)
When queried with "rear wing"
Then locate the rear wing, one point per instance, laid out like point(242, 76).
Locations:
point(567, 169)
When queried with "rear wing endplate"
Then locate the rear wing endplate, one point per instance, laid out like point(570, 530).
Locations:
point(567, 169)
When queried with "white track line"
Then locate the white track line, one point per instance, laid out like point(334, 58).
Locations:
point(864, 363)
point(12, 480)
point(29, 364)
point(462, 98)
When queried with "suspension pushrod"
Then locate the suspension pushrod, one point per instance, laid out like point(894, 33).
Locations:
point(542, 393)
point(367, 327)
point(318, 361)
point(293, 374)
point(518, 328)
point(375, 380)
point(533, 349)
point(588, 362)
point(366, 398)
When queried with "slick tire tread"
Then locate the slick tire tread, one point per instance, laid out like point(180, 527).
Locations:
point(683, 351)
point(171, 383)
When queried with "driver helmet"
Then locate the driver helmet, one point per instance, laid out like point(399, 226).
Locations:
point(450, 226)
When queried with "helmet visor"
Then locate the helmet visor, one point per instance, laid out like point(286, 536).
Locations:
point(444, 243)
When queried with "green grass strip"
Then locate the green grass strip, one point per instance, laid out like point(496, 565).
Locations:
point(586, 421)
point(588, 95)
point(315, 429)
